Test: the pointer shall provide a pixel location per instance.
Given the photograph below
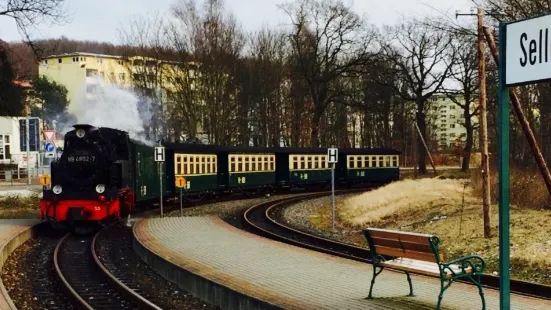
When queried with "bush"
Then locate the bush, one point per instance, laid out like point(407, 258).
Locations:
point(527, 189)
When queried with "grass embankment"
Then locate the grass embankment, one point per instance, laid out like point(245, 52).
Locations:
point(19, 207)
point(452, 210)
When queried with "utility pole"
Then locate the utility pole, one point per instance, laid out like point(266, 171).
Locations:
point(483, 119)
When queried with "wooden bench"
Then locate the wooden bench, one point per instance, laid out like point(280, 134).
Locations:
point(419, 253)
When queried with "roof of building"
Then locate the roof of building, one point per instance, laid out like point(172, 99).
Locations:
point(23, 83)
point(84, 54)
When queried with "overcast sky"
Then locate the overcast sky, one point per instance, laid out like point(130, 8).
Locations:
point(98, 20)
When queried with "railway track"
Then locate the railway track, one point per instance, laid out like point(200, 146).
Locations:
point(88, 282)
point(263, 219)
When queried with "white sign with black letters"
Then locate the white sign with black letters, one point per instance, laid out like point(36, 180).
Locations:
point(159, 153)
point(332, 155)
point(528, 51)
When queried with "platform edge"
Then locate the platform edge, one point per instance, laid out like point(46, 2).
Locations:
point(6, 250)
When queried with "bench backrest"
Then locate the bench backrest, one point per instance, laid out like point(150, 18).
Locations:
point(403, 244)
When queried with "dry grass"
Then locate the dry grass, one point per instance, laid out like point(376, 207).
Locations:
point(442, 207)
point(20, 207)
point(395, 200)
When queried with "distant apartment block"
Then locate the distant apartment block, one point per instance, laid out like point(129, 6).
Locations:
point(446, 121)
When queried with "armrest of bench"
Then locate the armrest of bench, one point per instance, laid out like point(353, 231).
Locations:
point(474, 263)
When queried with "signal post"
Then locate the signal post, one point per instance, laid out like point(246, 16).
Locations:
point(332, 159)
point(181, 183)
point(160, 158)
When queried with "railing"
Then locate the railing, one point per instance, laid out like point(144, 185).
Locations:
point(19, 176)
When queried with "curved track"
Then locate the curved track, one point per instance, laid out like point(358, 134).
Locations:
point(263, 220)
point(88, 282)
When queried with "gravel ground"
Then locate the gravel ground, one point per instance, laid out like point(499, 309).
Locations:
point(229, 211)
point(302, 216)
point(29, 277)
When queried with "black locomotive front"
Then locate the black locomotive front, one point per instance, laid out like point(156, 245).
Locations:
point(87, 166)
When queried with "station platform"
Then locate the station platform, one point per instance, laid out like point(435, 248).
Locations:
point(13, 233)
point(235, 269)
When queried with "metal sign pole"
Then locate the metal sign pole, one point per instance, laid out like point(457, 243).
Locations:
point(181, 209)
point(333, 195)
point(503, 165)
point(161, 185)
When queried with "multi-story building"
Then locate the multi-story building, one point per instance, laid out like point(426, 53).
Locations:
point(158, 78)
point(446, 121)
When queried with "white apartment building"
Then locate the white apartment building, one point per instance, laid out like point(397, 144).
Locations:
point(447, 122)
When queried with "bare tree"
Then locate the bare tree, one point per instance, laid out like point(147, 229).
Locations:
point(329, 40)
point(422, 61)
point(31, 13)
point(146, 39)
point(465, 73)
point(215, 41)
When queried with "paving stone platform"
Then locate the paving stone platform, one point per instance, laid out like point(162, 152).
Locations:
point(13, 233)
point(284, 276)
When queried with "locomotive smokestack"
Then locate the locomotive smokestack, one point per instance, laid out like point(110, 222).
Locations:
point(83, 126)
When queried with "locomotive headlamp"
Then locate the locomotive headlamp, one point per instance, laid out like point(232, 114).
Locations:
point(57, 189)
point(100, 188)
point(81, 133)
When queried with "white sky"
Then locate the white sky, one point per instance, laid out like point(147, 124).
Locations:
point(98, 20)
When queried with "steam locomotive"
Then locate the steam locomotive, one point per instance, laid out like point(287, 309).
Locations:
point(103, 174)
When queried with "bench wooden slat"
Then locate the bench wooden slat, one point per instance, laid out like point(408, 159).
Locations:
point(397, 252)
point(416, 266)
point(407, 237)
point(393, 243)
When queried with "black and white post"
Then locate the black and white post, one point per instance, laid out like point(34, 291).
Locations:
point(160, 158)
point(332, 159)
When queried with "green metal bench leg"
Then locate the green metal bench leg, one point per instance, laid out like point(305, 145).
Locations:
point(442, 290)
point(410, 285)
point(375, 274)
point(480, 291)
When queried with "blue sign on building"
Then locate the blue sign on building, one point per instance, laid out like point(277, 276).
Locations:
point(49, 147)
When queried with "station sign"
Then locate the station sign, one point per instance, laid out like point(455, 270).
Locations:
point(527, 51)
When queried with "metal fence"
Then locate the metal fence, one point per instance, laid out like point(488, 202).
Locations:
point(20, 175)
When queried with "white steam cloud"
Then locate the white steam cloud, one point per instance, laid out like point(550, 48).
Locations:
point(103, 104)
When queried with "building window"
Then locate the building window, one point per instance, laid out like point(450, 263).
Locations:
point(452, 107)
point(91, 72)
point(59, 60)
point(33, 135)
point(452, 125)
point(75, 59)
point(5, 147)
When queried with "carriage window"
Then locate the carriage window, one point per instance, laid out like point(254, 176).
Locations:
point(203, 165)
point(213, 164)
point(366, 161)
point(178, 164)
point(350, 162)
point(265, 163)
point(381, 161)
point(272, 163)
point(302, 163)
point(309, 162)
point(387, 160)
point(253, 164)
point(232, 164)
point(239, 163)
point(316, 162)
point(394, 161)
point(295, 162)
point(184, 163)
